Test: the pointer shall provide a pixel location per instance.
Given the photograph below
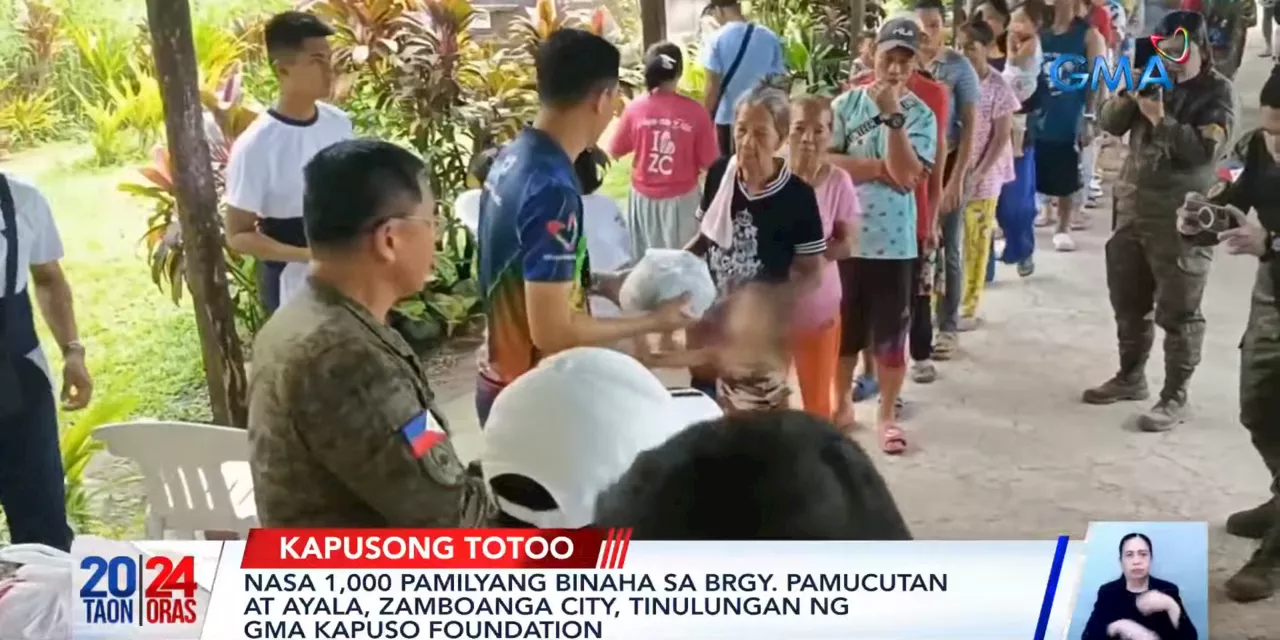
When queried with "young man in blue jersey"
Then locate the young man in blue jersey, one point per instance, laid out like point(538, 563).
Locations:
point(533, 263)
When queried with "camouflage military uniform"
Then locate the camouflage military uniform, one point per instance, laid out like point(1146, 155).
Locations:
point(1259, 363)
point(343, 428)
point(1149, 267)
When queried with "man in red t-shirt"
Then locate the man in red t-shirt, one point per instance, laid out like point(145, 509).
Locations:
point(1099, 18)
point(928, 196)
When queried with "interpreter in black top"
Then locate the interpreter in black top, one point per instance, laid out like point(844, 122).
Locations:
point(772, 230)
point(1138, 606)
point(1257, 157)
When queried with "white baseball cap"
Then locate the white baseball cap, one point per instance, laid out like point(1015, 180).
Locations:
point(574, 424)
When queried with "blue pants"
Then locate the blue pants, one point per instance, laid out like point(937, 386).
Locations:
point(32, 489)
point(1016, 210)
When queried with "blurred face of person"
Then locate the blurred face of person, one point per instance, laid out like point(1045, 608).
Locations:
point(1021, 24)
point(974, 51)
point(867, 50)
point(895, 65)
point(308, 72)
point(752, 325)
point(403, 244)
point(1271, 130)
point(810, 132)
point(992, 18)
point(931, 26)
point(1135, 559)
point(755, 132)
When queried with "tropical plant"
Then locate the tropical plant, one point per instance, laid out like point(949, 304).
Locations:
point(79, 449)
point(30, 117)
point(693, 82)
point(139, 100)
point(41, 32)
point(107, 133)
point(226, 118)
point(104, 58)
point(531, 30)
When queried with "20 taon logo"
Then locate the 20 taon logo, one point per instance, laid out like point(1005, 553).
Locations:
point(111, 595)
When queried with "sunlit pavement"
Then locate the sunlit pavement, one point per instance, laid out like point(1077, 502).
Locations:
point(1002, 448)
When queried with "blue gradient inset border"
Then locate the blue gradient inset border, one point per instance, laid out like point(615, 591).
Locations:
point(1051, 589)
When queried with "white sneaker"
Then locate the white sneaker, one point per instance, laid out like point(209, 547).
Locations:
point(1063, 242)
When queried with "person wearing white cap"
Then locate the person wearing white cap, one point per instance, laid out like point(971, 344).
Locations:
point(563, 432)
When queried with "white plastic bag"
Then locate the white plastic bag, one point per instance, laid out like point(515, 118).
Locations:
point(35, 603)
point(663, 274)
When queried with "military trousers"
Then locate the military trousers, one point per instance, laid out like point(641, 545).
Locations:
point(1260, 385)
point(1154, 278)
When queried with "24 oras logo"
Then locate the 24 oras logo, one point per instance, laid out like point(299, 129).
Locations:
point(110, 594)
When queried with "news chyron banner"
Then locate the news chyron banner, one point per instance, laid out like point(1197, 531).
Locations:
point(588, 583)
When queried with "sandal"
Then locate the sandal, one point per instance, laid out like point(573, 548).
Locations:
point(892, 440)
point(865, 388)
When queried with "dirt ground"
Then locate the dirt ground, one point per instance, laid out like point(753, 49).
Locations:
point(1002, 448)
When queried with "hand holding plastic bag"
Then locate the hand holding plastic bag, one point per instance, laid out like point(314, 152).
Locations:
point(665, 274)
point(35, 602)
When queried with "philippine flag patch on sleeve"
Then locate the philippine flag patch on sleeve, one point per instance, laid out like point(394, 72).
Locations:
point(422, 432)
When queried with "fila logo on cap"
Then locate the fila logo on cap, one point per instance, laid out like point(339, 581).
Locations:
point(903, 32)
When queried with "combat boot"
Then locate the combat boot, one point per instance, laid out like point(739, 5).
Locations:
point(1167, 413)
point(1121, 386)
point(1254, 523)
point(1258, 578)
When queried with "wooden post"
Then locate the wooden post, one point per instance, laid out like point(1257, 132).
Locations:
point(653, 21)
point(206, 273)
point(857, 22)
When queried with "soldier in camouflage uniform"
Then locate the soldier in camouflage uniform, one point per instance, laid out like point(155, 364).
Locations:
point(1257, 154)
point(343, 426)
point(1174, 138)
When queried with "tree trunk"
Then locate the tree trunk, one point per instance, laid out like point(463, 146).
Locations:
point(206, 273)
point(857, 21)
point(653, 21)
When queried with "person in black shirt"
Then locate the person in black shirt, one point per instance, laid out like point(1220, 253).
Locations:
point(1256, 154)
point(1137, 605)
point(762, 227)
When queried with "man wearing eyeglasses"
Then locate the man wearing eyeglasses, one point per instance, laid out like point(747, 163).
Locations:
point(343, 427)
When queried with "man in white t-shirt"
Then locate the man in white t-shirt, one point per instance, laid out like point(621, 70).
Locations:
point(264, 173)
point(31, 475)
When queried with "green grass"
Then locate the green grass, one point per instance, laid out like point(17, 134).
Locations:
point(139, 343)
point(617, 182)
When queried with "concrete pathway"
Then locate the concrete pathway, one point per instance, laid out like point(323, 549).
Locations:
point(1003, 448)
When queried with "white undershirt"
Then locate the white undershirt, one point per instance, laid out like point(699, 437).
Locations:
point(264, 172)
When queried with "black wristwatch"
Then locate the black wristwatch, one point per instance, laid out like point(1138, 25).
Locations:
point(892, 120)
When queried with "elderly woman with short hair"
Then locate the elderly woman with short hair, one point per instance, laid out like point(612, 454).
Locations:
point(759, 222)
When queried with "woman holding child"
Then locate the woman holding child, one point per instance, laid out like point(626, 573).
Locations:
point(765, 242)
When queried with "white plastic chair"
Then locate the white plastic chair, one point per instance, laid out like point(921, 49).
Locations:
point(196, 476)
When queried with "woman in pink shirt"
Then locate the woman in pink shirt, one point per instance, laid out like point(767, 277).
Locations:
point(674, 141)
point(816, 319)
point(990, 164)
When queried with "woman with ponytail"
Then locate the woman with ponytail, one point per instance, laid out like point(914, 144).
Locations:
point(674, 141)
